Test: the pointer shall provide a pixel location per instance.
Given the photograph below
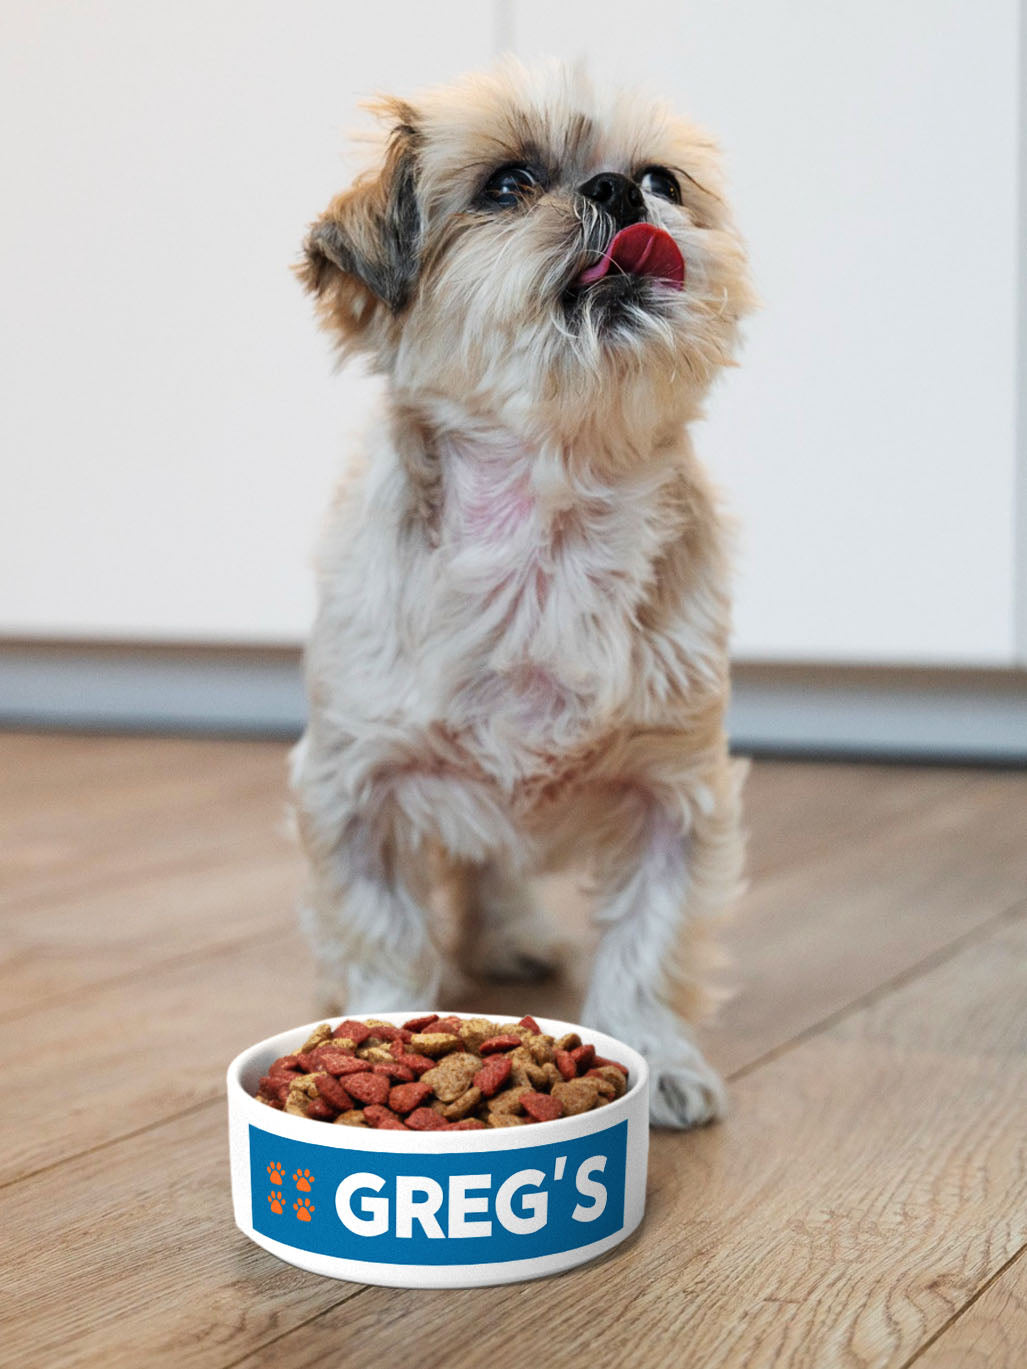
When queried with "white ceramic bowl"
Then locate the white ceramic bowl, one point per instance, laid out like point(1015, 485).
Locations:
point(437, 1209)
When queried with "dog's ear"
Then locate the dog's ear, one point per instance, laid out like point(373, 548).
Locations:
point(361, 256)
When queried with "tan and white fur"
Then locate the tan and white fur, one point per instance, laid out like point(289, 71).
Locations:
point(520, 655)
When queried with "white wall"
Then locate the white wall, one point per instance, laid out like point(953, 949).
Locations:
point(170, 419)
point(170, 422)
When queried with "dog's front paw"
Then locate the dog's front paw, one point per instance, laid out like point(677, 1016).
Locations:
point(685, 1092)
point(366, 990)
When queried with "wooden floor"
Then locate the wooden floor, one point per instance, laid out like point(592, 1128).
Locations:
point(865, 1204)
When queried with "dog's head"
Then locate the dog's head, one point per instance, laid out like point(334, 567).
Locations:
point(524, 246)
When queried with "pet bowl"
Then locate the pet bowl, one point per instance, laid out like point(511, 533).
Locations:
point(437, 1209)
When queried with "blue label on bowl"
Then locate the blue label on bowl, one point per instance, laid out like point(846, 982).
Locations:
point(450, 1208)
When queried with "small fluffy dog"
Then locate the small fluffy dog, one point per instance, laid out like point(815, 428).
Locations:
point(520, 655)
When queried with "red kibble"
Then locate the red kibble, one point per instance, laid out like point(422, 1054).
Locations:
point(321, 1111)
point(338, 1062)
point(332, 1092)
point(386, 1033)
point(276, 1086)
point(405, 1097)
point(368, 1088)
point(418, 1063)
point(601, 1060)
point(543, 1107)
point(582, 1057)
point(506, 1042)
point(493, 1075)
point(566, 1064)
point(426, 1119)
point(388, 1090)
point(399, 1073)
point(382, 1119)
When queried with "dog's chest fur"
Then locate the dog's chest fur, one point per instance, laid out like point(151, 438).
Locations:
point(508, 628)
point(538, 575)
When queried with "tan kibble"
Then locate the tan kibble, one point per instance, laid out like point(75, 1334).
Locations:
point(377, 1055)
point(452, 1076)
point(541, 1047)
point(316, 1037)
point(552, 1076)
point(576, 1095)
point(507, 1101)
point(523, 1067)
point(476, 1030)
point(615, 1078)
point(353, 1118)
point(434, 1044)
point(302, 1089)
point(455, 1059)
point(461, 1107)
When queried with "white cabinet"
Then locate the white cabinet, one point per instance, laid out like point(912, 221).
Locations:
point(868, 442)
point(170, 425)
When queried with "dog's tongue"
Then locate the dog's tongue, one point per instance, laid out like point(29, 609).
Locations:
point(641, 249)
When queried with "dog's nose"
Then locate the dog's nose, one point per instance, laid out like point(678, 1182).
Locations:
point(619, 196)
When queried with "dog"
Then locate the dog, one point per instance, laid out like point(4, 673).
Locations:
point(520, 655)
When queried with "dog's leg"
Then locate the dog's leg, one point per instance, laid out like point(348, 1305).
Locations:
point(663, 879)
point(366, 920)
point(365, 909)
point(508, 936)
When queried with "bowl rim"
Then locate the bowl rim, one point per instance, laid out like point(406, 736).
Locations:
point(258, 1056)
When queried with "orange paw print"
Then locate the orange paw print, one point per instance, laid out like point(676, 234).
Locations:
point(304, 1179)
point(275, 1173)
point(304, 1207)
point(277, 1202)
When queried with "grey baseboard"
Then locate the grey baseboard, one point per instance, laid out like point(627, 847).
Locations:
point(125, 687)
point(925, 714)
point(788, 710)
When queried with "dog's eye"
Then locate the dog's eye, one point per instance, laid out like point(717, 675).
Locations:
point(657, 180)
point(509, 186)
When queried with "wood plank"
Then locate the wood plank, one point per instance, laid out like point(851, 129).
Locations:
point(183, 1015)
point(138, 1261)
point(991, 1333)
point(817, 935)
point(141, 1051)
point(823, 830)
point(75, 810)
point(794, 817)
point(57, 768)
point(79, 942)
point(867, 1184)
point(178, 803)
point(174, 807)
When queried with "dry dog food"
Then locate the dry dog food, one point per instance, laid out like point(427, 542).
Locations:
point(440, 1074)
